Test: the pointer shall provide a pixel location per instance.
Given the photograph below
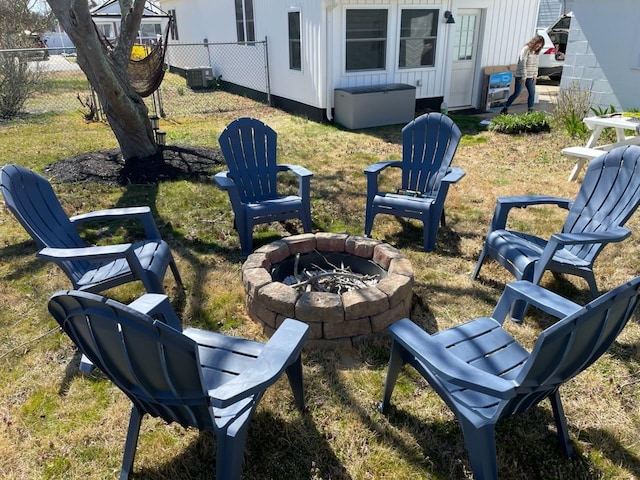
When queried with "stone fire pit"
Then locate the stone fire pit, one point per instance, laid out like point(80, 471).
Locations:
point(333, 319)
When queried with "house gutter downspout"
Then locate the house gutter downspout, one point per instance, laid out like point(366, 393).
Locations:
point(331, 4)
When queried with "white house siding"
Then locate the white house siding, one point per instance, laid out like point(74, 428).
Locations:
point(198, 20)
point(508, 25)
point(603, 54)
point(307, 85)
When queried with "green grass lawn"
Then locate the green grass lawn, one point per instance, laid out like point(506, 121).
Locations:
point(56, 423)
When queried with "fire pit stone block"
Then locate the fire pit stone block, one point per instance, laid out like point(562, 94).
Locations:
point(364, 302)
point(278, 297)
point(303, 243)
point(331, 242)
point(320, 307)
point(254, 279)
point(381, 321)
point(361, 246)
point(347, 329)
point(397, 287)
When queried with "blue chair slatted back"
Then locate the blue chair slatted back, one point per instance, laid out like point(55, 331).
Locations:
point(33, 202)
point(571, 345)
point(428, 145)
point(608, 196)
point(249, 149)
point(156, 366)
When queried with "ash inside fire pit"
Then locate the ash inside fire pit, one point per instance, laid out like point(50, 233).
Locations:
point(329, 272)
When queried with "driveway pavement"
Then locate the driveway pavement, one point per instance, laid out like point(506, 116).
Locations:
point(57, 63)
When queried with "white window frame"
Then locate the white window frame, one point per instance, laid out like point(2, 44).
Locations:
point(387, 55)
point(248, 24)
point(438, 27)
point(291, 41)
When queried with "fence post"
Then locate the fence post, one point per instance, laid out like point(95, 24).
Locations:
point(266, 66)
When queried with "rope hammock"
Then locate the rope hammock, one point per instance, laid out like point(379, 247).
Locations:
point(146, 74)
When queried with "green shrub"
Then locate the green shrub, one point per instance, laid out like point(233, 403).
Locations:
point(17, 83)
point(531, 122)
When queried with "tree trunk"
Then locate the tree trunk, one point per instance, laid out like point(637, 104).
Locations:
point(106, 71)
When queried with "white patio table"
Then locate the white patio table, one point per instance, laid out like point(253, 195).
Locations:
point(592, 150)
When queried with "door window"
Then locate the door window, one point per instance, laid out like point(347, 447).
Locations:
point(465, 37)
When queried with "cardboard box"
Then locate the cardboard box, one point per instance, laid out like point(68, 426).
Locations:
point(496, 69)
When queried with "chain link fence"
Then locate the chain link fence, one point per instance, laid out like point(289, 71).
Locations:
point(200, 78)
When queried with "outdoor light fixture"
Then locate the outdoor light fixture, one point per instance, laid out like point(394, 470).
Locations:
point(449, 16)
point(155, 122)
point(161, 137)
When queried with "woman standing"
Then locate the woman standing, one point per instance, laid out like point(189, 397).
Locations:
point(526, 72)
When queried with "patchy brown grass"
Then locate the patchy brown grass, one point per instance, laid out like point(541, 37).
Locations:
point(57, 423)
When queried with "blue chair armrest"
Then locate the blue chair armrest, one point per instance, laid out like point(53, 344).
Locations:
point(377, 167)
point(524, 201)
point(505, 204)
point(559, 240)
point(226, 183)
point(454, 174)
point(140, 213)
point(372, 172)
point(282, 349)
point(298, 170)
point(304, 179)
point(616, 234)
point(547, 301)
point(97, 254)
point(91, 254)
point(157, 305)
point(223, 180)
point(438, 359)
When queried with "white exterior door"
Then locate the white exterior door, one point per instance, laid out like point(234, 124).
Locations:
point(464, 61)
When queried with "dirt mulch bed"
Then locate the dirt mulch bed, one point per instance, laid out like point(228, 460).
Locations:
point(108, 166)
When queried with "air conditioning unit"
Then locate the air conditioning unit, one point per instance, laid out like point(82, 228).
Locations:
point(201, 77)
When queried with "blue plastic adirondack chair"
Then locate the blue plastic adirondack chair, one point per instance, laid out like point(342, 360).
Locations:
point(32, 201)
point(428, 145)
point(608, 196)
point(249, 149)
point(483, 374)
point(193, 377)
